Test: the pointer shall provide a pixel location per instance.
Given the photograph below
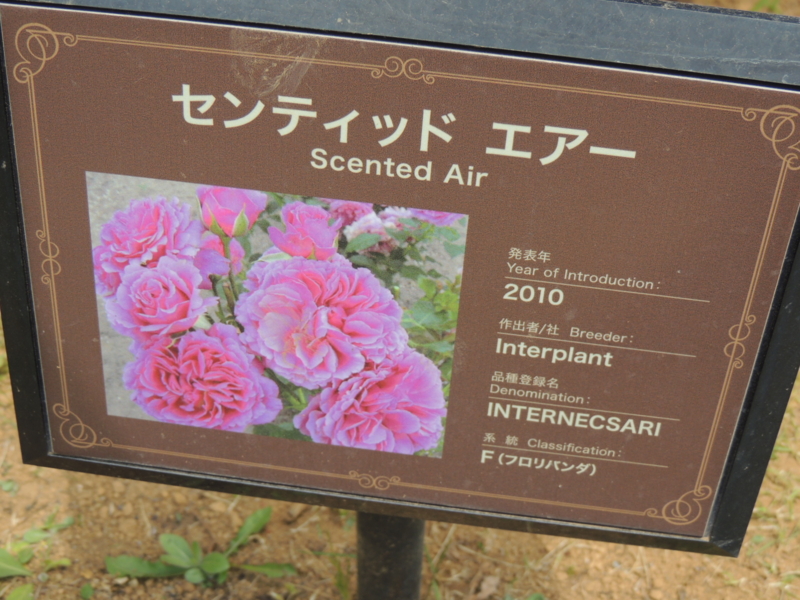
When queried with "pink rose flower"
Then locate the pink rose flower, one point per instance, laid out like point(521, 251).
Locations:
point(309, 232)
point(314, 321)
point(211, 258)
point(396, 406)
point(230, 210)
point(374, 224)
point(158, 301)
point(435, 217)
point(347, 211)
point(202, 379)
point(141, 234)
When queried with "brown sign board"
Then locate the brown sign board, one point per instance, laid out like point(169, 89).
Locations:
point(379, 274)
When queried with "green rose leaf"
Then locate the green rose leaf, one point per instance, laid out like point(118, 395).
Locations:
point(362, 242)
point(440, 347)
point(401, 235)
point(414, 254)
point(454, 249)
point(411, 271)
point(429, 287)
point(423, 314)
point(448, 233)
point(362, 261)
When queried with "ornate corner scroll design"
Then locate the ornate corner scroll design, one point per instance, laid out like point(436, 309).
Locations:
point(50, 251)
point(37, 44)
point(735, 349)
point(397, 67)
point(75, 432)
point(685, 510)
point(381, 482)
point(779, 125)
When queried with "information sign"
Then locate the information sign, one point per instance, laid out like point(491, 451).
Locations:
point(491, 288)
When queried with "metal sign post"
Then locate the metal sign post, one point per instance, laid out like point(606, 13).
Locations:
point(390, 552)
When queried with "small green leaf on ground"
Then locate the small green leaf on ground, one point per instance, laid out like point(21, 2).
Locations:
point(195, 576)
point(10, 566)
point(23, 592)
point(215, 563)
point(133, 566)
point(55, 564)
point(25, 555)
point(35, 535)
point(178, 551)
point(252, 525)
point(87, 591)
point(52, 527)
point(9, 485)
point(271, 569)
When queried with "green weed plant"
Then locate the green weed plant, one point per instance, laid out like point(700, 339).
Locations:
point(18, 554)
point(181, 558)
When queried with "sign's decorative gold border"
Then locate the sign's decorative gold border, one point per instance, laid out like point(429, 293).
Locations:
point(379, 483)
point(37, 44)
point(411, 68)
point(685, 510)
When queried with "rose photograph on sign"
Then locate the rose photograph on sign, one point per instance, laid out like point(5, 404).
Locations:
point(306, 318)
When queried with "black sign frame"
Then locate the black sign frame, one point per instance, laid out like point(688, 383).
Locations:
point(539, 28)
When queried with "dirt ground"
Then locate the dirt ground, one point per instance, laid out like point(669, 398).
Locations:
point(115, 517)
